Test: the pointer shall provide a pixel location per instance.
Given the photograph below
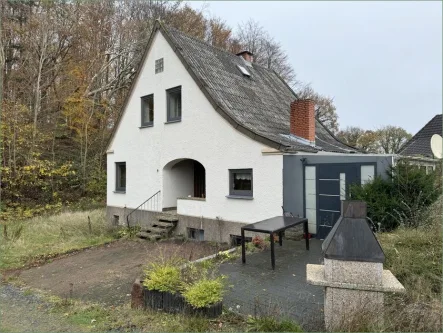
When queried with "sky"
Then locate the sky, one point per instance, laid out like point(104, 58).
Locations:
point(380, 61)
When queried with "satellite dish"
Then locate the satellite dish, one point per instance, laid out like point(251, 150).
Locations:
point(436, 145)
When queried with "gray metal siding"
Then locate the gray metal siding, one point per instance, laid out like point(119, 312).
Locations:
point(293, 177)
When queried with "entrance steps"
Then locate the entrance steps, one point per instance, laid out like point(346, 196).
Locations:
point(160, 228)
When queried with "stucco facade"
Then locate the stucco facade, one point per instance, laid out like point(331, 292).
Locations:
point(202, 135)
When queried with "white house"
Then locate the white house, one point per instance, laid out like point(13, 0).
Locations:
point(224, 142)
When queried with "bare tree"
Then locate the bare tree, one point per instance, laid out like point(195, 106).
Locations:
point(267, 52)
point(218, 33)
point(365, 140)
point(350, 135)
point(391, 138)
point(325, 109)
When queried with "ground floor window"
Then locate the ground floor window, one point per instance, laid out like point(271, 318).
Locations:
point(197, 234)
point(240, 182)
point(236, 240)
point(120, 184)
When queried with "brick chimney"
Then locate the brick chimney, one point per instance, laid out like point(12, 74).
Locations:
point(303, 119)
point(248, 56)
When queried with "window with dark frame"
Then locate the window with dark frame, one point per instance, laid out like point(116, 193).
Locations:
point(120, 184)
point(197, 234)
point(240, 182)
point(174, 104)
point(236, 240)
point(147, 110)
point(159, 66)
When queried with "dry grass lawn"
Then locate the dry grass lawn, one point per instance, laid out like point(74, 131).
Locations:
point(24, 242)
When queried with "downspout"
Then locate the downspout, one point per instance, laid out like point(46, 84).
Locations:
point(304, 162)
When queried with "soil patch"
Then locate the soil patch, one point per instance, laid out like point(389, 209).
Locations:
point(106, 274)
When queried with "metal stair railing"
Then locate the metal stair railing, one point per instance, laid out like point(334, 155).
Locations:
point(149, 204)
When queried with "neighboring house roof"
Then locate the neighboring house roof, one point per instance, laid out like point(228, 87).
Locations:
point(258, 105)
point(420, 143)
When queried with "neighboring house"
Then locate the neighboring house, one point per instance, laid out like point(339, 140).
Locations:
point(225, 142)
point(418, 149)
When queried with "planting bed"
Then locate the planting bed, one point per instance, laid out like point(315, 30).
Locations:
point(106, 274)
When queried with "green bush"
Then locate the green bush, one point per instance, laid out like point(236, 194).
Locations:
point(400, 199)
point(271, 324)
point(205, 292)
point(163, 277)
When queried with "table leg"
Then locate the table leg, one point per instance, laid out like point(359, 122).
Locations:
point(280, 238)
point(243, 247)
point(305, 230)
point(272, 252)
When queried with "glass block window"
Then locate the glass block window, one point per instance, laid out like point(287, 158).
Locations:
point(159, 66)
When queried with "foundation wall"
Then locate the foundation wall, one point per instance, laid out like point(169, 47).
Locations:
point(219, 231)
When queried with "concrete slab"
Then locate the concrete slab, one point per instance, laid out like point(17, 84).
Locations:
point(258, 290)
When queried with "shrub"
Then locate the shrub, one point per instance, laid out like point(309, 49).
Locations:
point(163, 277)
point(402, 198)
point(259, 242)
point(205, 292)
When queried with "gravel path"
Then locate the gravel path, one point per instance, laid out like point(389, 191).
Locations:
point(22, 312)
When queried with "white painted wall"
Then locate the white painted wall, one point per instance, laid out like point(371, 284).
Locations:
point(202, 135)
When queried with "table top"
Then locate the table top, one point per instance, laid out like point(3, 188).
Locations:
point(275, 224)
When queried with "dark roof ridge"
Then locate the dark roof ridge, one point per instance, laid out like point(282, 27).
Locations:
point(414, 137)
point(167, 27)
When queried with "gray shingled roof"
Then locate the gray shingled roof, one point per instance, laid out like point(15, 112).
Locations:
point(258, 106)
point(420, 143)
point(259, 103)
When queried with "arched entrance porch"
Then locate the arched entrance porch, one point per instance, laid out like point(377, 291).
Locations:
point(183, 178)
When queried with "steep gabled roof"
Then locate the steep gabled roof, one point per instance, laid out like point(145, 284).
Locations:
point(420, 143)
point(257, 105)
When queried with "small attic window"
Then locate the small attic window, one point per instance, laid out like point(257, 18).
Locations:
point(243, 71)
point(159, 65)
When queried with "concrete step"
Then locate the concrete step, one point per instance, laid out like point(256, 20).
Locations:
point(155, 230)
point(148, 235)
point(143, 234)
point(168, 218)
point(154, 237)
point(163, 224)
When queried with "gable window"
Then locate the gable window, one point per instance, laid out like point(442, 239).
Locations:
point(240, 182)
point(159, 66)
point(120, 183)
point(147, 111)
point(174, 104)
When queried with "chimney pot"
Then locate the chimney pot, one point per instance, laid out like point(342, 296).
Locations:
point(248, 56)
point(302, 119)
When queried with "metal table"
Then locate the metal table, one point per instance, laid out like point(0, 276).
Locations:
point(272, 226)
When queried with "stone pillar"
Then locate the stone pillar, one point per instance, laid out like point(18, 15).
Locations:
point(137, 298)
point(352, 273)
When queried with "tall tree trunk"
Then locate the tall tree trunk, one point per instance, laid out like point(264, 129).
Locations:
point(2, 66)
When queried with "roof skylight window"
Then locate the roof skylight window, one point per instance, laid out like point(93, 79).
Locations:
point(243, 70)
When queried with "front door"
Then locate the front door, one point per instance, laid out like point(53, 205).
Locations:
point(199, 180)
point(333, 182)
